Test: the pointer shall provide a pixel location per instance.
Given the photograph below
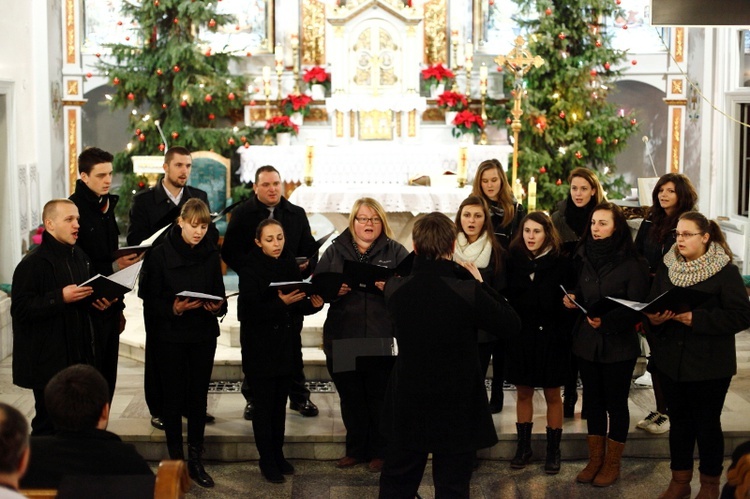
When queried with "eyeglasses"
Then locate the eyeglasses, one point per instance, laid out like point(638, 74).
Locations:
point(373, 220)
point(686, 235)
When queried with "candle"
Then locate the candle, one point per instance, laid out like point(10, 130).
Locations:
point(454, 35)
point(483, 72)
point(295, 41)
point(463, 153)
point(517, 189)
point(266, 74)
point(469, 51)
point(532, 195)
point(309, 161)
point(279, 54)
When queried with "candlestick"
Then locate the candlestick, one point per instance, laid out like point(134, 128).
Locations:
point(279, 54)
point(469, 50)
point(532, 195)
point(483, 94)
point(517, 190)
point(295, 63)
point(267, 89)
point(309, 162)
point(463, 156)
point(266, 74)
point(454, 45)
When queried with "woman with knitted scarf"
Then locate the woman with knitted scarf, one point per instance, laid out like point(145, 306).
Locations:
point(476, 246)
point(606, 343)
point(694, 351)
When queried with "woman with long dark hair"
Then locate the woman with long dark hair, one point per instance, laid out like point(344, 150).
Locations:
point(539, 356)
point(672, 196)
point(606, 344)
point(694, 351)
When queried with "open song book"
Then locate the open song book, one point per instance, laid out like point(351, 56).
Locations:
point(115, 285)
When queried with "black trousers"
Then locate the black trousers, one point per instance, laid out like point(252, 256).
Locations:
point(185, 372)
point(41, 424)
point(269, 418)
point(298, 392)
point(695, 417)
point(107, 349)
point(403, 470)
point(605, 389)
point(152, 384)
point(362, 393)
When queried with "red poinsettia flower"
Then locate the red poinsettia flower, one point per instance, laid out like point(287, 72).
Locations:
point(295, 103)
point(468, 122)
point(452, 101)
point(317, 75)
point(436, 74)
point(281, 124)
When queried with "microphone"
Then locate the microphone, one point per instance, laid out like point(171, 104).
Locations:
point(648, 151)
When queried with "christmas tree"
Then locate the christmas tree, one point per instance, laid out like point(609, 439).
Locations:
point(567, 121)
point(171, 77)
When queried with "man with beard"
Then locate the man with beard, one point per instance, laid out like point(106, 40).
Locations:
point(51, 316)
point(152, 210)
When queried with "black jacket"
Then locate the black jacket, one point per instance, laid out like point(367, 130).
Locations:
point(436, 400)
point(504, 235)
point(240, 235)
point(621, 277)
point(358, 314)
point(152, 210)
point(90, 452)
point(651, 249)
point(706, 350)
point(48, 334)
point(272, 328)
point(173, 267)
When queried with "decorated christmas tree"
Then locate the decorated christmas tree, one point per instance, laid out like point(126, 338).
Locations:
point(567, 121)
point(168, 75)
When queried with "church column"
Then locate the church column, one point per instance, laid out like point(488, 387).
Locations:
point(73, 100)
point(676, 100)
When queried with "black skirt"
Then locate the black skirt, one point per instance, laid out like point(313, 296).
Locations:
point(538, 358)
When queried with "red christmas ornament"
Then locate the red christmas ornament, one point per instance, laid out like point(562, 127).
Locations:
point(562, 115)
point(119, 23)
point(618, 2)
point(579, 155)
point(137, 131)
point(624, 26)
point(183, 103)
point(161, 147)
point(212, 23)
point(176, 68)
point(247, 145)
point(142, 138)
point(243, 138)
point(211, 116)
point(548, 11)
point(98, 54)
point(141, 185)
point(127, 38)
point(230, 96)
point(176, 21)
point(230, 141)
point(561, 36)
point(559, 182)
point(208, 52)
point(508, 121)
point(208, 98)
point(163, 106)
point(606, 66)
point(115, 81)
point(542, 170)
point(252, 102)
point(249, 54)
point(599, 140)
point(237, 28)
point(633, 62)
point(156, 3)
point(598, 42)
point(175, 135)
point(89, 75)
point(633, 121)
point(159, 72)
point(592, 72)
point(131, 96)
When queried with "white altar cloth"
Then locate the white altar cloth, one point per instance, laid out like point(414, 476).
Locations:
point(366, 163)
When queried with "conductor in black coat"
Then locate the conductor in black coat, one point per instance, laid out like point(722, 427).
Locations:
point(98, 238)
point(437, 316)
point(152, 210)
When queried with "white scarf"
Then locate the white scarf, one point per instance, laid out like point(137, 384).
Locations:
point(479, 252)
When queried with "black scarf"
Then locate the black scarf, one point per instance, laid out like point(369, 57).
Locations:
point(198, 253)
point(577, 218)
point(600, 251)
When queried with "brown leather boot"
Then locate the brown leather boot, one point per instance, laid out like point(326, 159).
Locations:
point(597, 444)
point(610, 471)
point(679, 487)
point(709, 487)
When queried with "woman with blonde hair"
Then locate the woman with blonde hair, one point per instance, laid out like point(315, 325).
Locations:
point(358, 314)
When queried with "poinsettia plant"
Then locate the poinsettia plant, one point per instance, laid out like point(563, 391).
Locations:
point(467, 122)
point(452, 101)
point(295, 103)
point(317, 75)
point(436, 74)
point(281, 124)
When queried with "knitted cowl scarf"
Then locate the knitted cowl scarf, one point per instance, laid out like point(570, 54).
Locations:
point(683, 273)
point(479, 252)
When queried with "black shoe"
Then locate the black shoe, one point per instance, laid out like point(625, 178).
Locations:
point(523, 449)
point(249, 410)
point(210, 419)
point(157, 423)
point(307, 409)
point(285, 467)
point(195, 467)
point(271, 473)
point(552, 461)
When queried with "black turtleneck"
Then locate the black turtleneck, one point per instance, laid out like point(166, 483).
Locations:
point(98, 233)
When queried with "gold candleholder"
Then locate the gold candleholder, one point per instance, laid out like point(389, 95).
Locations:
point(295, 63)
point(468, 65)
point(454, 59)
point(483, 93)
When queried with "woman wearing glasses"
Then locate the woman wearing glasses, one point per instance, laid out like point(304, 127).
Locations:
point(359, 314)
point(694, 351)
point(672, 196)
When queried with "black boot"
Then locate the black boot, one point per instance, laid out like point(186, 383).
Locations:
point(523, 450)
point(569, 403)
point(497, 396)
point(175, 451)
point(195, 467)
point(552, 463)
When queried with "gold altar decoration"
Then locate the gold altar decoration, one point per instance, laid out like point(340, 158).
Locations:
point(309, 163)
point(313, 32)
point(520, 61)
point(462, 168)
point(295, 62)
point(72, 149)
point(435, 41)
point(483, 92)
point(674, 154)
point(375, 125)
point(339, 124)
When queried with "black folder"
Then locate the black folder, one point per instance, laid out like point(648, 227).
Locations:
point(204, 296)
point(324, 284)
point(677, 300)
point(115, 285)
point(363, 276)
point(347, 352)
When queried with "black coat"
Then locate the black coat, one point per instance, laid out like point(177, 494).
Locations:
point(621, 277)
point(358, 314)
point(48, 334)
point(152, 210)
point(651, 249)
point(273, 328)
point(173, 267)
point(540, 355)
point(240, 235)
point(706, 350)
point(436, 399)
point(504, 235)
point(90, 452)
